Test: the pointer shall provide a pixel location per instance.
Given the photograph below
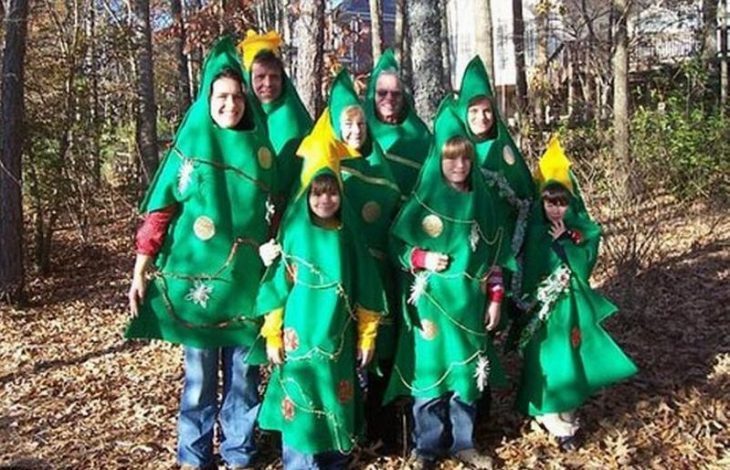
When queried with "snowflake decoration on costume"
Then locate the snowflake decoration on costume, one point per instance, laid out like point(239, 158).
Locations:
point(270, 210)
point(199, 294)
point(185, 175)
point(418, 287)
point(474, 236)
point(482, 372)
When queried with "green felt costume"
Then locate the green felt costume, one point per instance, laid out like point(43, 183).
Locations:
point(323, 281)
point(208, 268)
point(444, 346)
point(500, 160)
point(567, 353)
point(287, 122)
point(405, 144)
point(373, 194)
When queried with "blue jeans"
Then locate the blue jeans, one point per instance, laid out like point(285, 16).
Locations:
point(441, 423)
point(198, 407)
point(295, 460)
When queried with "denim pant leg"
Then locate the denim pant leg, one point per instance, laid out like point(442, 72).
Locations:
point(429, 425)
point(239, 407)
point(295, 460)
point(332, 460)
point(462, 417)
point(197, 407)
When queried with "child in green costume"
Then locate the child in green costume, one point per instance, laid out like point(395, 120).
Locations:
point(567, 353)
point(393, 121)
point(451, 237)
point(322, 299)
point(373, 194)
point(206, 213)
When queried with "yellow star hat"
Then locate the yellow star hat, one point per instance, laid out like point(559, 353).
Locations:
point(254, 43)
point(321, 149)
point(554, 166)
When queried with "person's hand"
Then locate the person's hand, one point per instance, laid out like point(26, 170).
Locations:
point(364, 357)
point(435, 261)
point(557, 229)
point(491, 317)
point(275, 354)
point(136, 293)
point(269, 251)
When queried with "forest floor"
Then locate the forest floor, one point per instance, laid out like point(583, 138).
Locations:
point(75, 394)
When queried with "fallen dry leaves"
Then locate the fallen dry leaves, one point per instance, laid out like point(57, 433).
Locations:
point(74, 394)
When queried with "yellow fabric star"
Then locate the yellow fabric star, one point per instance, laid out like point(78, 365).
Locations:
point(255, 43)
point(554, 166)
point(322, 149)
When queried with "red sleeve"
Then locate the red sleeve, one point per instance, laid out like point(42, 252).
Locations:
point(152, 230)
point(496, 285)
point(418, 258)
point(575, 236)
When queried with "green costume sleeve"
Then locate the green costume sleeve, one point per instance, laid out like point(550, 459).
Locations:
point(207, 272)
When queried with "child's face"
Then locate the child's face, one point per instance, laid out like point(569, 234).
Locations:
point(456, 170)
point(353, 130)
point(554, 210)
point(227, 102)
point(480, 116)
point(325, 204)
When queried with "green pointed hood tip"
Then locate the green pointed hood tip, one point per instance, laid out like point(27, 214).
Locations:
point(474, 82)
point(342, 95)
point(222, 55)
point(387, 61)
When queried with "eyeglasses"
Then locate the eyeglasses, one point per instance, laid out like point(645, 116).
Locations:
point(384, 93)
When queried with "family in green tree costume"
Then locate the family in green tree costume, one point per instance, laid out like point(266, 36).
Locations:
point(371, 192)
point(405, 142)
point(444, 339)
point(322, 299)
point(207, 271)
point(287, 120)
point(567, 355)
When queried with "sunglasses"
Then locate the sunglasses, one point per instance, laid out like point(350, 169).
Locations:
point(393, 93)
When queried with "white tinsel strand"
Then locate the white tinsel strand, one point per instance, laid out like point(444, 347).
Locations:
point(474, 236)
point(184, 175)
point(482, 372)
point(270, 211)
point(418, 287)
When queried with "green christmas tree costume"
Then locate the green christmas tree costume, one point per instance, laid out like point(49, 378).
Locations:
point(444, 346)
point(373, 194)
point(567, 353)
point(405, 144)
point(325, 282)
point(207, 271)
point(287, 122)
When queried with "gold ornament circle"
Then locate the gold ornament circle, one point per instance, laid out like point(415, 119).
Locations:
point(432, 225)
point(429, 330)
point(264, 156)
point(508, 155)
point(204, 228)
point(371, 211)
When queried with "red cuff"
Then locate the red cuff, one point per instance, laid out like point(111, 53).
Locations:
point(418, 258)
point(496, 293)
point(576, 236)
point(151, 232)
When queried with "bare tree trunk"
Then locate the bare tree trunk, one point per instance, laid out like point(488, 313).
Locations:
point(424, 28)
point(518, 28)
point(621, 142)
point(95, 120)
point(709, 35)
point(195, 56)
point(146, 108)
point(310, 37)
point(400, 28)
point(11, 207)
point(183, 84)
point(376, 29)
point(485, 49)
point(445, 47)
point(723, 52)
point(541, 20)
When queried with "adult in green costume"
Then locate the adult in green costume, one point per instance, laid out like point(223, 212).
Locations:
point(373, 194)
point(216, 183)
point(287, 120)
point(445, 356)
point(393, 122)
point(322, 300)
point(567, 353)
